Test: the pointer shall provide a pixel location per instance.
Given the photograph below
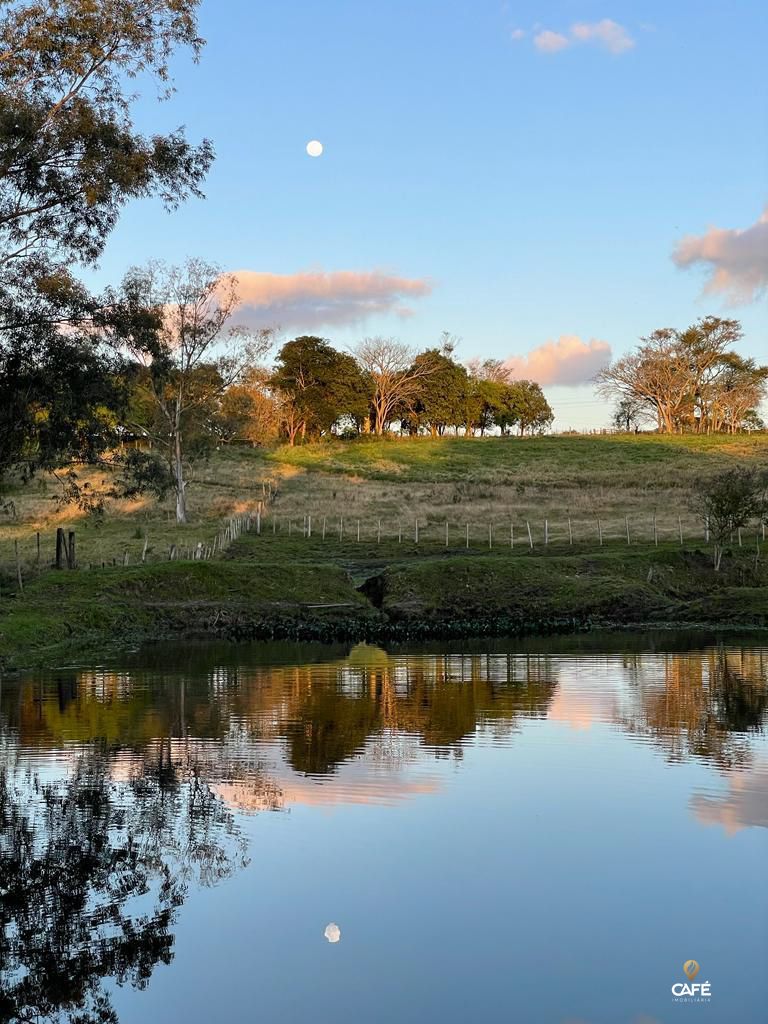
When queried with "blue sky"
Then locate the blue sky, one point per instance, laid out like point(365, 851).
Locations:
point(488, 167)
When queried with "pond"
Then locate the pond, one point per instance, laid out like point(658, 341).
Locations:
point(536, 831)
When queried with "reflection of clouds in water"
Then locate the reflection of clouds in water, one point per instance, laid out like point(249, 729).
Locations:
point(586, 693)
point(332, 932)
point(745, 805)
point(245, 796)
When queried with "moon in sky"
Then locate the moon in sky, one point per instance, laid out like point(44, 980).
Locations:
point(332, 932)
point(315, 148)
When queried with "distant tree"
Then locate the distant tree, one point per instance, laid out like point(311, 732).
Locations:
point(438, 402)
point(190, 353)
point(628, 414)
point(250, 410)
point(525, 405)
point(319, 386)
point(752, 420)
point(395, 377)
point(729, 502)
point(689, 379)
point(738, 391)
point(495, 371)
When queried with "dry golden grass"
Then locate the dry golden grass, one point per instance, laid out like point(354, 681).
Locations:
point(483, 482)
point(229, 484)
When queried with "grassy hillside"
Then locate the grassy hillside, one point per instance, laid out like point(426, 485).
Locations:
point(398, 577)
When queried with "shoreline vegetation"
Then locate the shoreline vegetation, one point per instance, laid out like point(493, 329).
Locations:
point(613, 543)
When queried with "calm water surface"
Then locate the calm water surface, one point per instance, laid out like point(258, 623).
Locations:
point(538, 832)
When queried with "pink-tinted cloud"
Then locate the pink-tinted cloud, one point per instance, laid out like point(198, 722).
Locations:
point(606, 33)
point(310, 299)
point(737, 260)
point(550, 42)
point(569, 360)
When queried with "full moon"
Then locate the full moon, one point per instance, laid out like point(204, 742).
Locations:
point(315, 148)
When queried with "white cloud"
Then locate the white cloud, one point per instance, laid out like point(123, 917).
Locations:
point(517, 34)
point(569, 360)
point(310, 299)
point(737, 260)
point(607, 34)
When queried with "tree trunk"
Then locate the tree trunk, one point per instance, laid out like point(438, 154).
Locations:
point(178, 480)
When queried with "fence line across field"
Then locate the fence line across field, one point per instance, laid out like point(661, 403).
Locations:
point(509, 533)
point(500, 532)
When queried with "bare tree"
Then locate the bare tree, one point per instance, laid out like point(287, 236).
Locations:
point(191, 354)
point(395, 376)
point(496, 371)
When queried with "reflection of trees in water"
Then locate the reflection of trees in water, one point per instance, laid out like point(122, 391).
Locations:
point(324, 714)
point(704, 705)
point(440, 701)
point(92, 872)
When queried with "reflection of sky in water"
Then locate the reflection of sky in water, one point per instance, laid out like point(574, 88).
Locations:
point(501, 837)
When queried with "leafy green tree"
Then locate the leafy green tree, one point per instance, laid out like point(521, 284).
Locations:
point(319, 386)
point(525, 405)
point(250, 410)
point(70, 159)
point(441, 394)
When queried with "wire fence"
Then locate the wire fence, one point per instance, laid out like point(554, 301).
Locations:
point(506, 533)
point(407, 535)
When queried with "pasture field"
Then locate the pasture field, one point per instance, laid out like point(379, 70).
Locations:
point(360, 535)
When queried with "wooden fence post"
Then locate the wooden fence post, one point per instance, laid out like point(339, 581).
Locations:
point(530, 535)
point(626, 521)
point(680, 526)
point(60, 545)
point(18, 566)
point(655, 531)
point(570, 531)
point(600, 531)
point(71, 556)
point(546, 532)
